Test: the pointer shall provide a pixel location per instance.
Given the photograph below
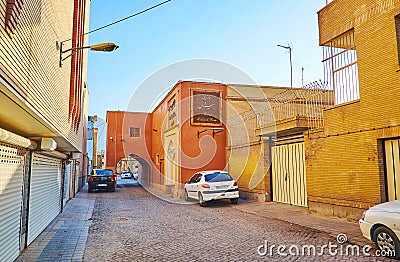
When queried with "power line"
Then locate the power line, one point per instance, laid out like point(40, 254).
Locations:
point(123, 19)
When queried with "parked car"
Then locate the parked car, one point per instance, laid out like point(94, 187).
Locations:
point(102, 179)
point(381, 224)
point(126, 174)
point(211, 185)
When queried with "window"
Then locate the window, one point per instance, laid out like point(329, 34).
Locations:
point(13, 10)
point(397, 24)
point(102, 172)
point(198, 178)
point(193, 178)
point(218, 177)
point(341, 68)
point(134, 132)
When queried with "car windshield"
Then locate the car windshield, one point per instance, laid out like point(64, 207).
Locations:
point(125, 172)
point(218, 177)
point(102, 172)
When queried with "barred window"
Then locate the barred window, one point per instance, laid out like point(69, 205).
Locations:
point(134, 132)
point(341, 69)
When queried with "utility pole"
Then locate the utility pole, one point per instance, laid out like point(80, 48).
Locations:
point(289, 48)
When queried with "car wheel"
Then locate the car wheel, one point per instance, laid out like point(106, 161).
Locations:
point(186, 196)
point(90, 190)
point(201, 200)
point(387, 242)
point(234, 200)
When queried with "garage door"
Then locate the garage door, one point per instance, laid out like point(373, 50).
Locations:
point(11, 183)
point(289, 175)
point(392, 154)
point(45, 194)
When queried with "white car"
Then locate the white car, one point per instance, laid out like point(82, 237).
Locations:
point(211, 185)
point(381, 224)
point(126, 174)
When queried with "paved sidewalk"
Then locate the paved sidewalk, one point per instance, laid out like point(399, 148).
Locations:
point(300, 216)
point(65, 238)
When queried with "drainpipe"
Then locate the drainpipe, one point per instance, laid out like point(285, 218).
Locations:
point(62, 185)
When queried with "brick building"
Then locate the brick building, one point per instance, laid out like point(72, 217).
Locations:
point(353, 162)
point(178, 139)
point(43, 115)
point(266, 142)
point(183, 134)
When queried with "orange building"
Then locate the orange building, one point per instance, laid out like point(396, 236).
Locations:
point(129, 134)
point(184, 134)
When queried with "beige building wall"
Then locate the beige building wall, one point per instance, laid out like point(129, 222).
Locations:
point(247, 153)
point(345, 162)
point(29, 64)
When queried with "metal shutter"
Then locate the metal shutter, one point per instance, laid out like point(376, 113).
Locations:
point(392, 155)
point(45, 194)
point(11, 183)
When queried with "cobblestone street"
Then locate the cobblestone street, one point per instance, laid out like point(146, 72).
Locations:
point(133, 225)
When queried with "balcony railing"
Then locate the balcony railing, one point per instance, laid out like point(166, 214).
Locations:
point(301, 103)
point(298, 108)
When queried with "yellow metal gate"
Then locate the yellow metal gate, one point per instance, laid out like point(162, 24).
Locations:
point(289, 174)
point(392, 169)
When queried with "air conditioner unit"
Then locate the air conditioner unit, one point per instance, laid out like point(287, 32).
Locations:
point(48, 144)
point(75, 155)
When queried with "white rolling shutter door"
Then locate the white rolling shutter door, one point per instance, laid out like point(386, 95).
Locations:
point(11, 183)
point(45, 194)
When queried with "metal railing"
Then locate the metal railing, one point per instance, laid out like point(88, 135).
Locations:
point(305, 103)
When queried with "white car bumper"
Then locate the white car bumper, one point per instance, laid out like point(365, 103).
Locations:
point(365, 228)
point(210, 195)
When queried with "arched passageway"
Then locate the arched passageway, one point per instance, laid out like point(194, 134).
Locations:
point(144, 170)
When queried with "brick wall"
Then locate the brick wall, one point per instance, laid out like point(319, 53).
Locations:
point(345, 171)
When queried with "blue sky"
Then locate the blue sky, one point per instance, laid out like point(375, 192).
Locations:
point(238, 32)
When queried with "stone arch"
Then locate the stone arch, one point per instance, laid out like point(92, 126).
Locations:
point(144, 175)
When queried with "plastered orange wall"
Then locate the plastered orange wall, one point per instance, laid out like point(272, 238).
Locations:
point(118, 142)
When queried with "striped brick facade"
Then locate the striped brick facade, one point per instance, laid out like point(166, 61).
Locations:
point(345, 160)
point(30, 36)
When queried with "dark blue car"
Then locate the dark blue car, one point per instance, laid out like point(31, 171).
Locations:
point(102, 179)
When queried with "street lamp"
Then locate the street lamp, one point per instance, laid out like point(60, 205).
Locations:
point(288, 47)
point(103, 47)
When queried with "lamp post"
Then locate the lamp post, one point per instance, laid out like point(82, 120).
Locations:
point(103, 47)
point(288, 47)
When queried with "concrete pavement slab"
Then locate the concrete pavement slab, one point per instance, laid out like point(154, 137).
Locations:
point(65, 237)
